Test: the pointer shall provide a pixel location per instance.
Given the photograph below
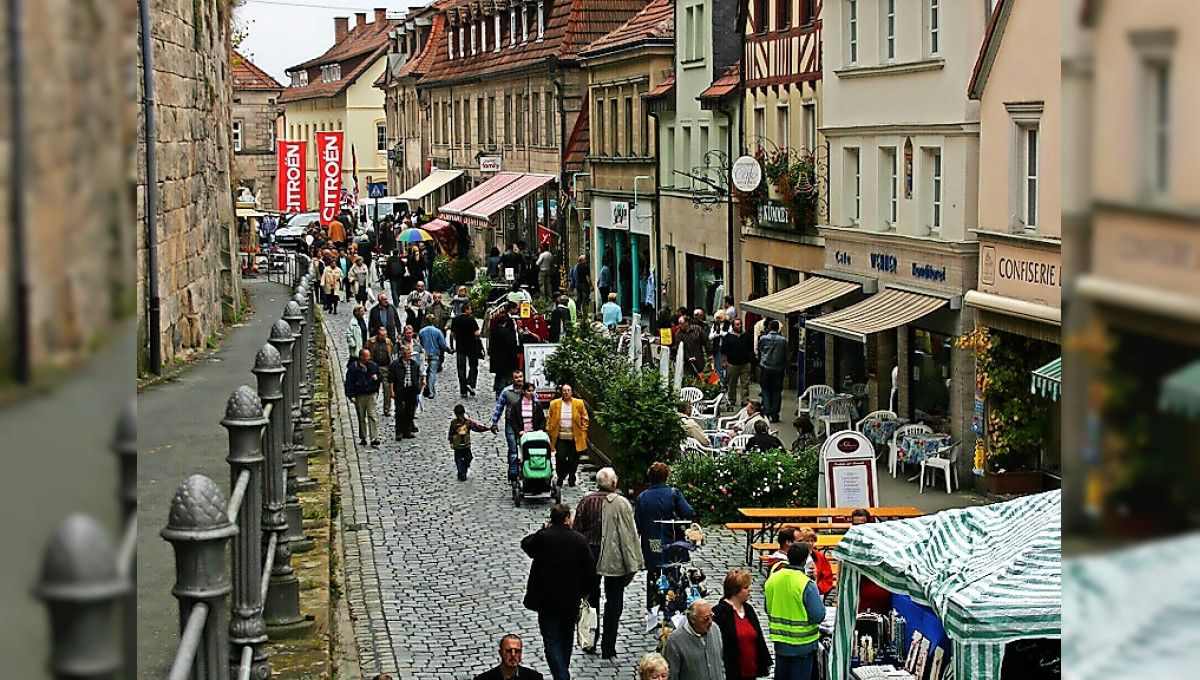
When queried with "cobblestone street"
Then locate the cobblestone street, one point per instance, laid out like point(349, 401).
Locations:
point(435, 574)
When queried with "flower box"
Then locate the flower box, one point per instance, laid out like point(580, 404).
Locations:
point(1020, 483)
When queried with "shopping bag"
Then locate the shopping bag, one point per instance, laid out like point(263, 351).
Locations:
point(587, 626)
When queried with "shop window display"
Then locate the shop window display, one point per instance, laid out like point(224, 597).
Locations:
point(929, 378)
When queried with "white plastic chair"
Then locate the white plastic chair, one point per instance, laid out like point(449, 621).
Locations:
point(727, 422)
point(738, 443)
point(943, 459)
point(875, 415)
point(691, 447)
point(691, 395)
point(837, 410)
point(804, 405)
point(708, 408)
point(894, 445)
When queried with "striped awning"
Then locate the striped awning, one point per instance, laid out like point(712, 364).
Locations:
point(1047, 380)
point(481, 212)
point(436, 180)
point(1181, 391)
point(811, 292)
point(454, 208)
point(885, 311)
point(993, 575)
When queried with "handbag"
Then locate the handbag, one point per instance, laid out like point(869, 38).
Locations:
point(587, 627)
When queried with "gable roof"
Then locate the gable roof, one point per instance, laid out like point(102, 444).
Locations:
point(579, 143)
point(571, 25)
point(247, 76)
point(655, 24)
point(667, 84)
point(420, 65)
point(990, 48)
point(356, 52)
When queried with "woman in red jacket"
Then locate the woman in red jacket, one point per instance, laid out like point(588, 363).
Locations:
point(822, 570)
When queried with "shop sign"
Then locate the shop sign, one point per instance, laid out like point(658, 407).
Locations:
point(291, 157)
point(774, 214)
point(884, 262)
point(747, 174)
point(620, 215)
point(1029, 274)
point(928, 272)
point(843, 258)
point(1148, 252)
point(489, 164)
point(329, 162)
point(848, 464)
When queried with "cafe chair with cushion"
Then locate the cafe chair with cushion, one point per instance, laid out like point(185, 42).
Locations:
point(837, 411)
point(691, 395)
point(943, 459)
point(894, 444)
point(805, 403)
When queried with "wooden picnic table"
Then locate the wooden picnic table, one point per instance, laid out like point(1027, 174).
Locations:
point(774, 518)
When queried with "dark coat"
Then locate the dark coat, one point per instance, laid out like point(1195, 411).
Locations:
point(503, 348)
point(362, 380)
point(375, 320)
point(725, 619)
point(659, 502)
point(513, 417)
point(560, 319)
point(563, 570)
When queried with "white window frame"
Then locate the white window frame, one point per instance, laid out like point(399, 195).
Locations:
point(760, 125)
point(1157, 116)
point(686, 147)
point(933, 27)
point(524, 24)
point(889, 190)
point(380, 141)
point(474, 35)
point(462, 41)
point(888, 25)
point(852, 32)
point(1025, 116)
point(854, 162)
point(237, 135)
point(512, 28)
point(541, 19)
point(450, 44)
point(934, 173)
point(496, 28)
point(1030, 140)
point(810, 127)
point(783, 124)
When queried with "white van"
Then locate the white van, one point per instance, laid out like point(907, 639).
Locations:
point(388, 205)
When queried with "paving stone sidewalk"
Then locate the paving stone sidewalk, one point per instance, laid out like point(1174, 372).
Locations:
point(434, 570)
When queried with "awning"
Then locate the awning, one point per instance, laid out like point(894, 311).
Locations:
point(481, 213)
point(479, 193)
point(1181, 391)
point(436, 225)
point(249, 212)
point(1181, 306)
point(811, 292)
point(1013, 307)
point(1047, 380)
point(881, 312)
point(436, 180)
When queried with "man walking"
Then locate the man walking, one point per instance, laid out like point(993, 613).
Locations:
point(380, 347)
point(583, 285)
point(433, 341)
point(772, 362)
point(795, 609)
point(605, 518)
point(561, 575)
point(510, 398)
point(464, 341)
point(383, 315)
point(362, 384)
point(560, 318)
point(407, 383)
point(545, 265)
point(737, 352)
point(510, 662)
point(567, 425)
point(693, 652)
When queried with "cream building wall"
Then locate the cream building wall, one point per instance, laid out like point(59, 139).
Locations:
point(1018, 74)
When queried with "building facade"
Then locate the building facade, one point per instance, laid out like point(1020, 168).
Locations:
point(336, 91)
point(255, 119)
point(698, 139)
point(622, 68)
point(903, 167)
point(412, 50)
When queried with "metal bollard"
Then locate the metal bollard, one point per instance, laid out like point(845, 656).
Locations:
point(199, 531)
point(308, 437)
point(81, 587)
point(125, 446)
point(245, 421)
point(295, 513)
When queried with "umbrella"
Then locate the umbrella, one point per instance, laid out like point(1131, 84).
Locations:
point(414, 235)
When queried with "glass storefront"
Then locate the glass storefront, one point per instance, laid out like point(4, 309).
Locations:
point(705, 275)
point(760, 279)
point(929, 378)
point(850, 366)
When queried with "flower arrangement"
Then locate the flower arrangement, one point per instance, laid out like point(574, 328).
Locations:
point(793, 177)
point(717, 487)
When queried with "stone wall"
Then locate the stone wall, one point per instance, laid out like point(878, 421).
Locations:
point(75, 178)
point(254, 165)
point(199, 280)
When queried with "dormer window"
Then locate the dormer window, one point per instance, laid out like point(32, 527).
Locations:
point(330, 73)
point(512, 28)
point(299, 78)
point(462, 41)
point(474, 33)
point(450, 45)
point(525, 24)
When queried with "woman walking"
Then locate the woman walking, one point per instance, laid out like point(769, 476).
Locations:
point(745, 650)
point(360, 274)
point(331, 282)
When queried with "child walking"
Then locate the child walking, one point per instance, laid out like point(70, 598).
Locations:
point(460, 439)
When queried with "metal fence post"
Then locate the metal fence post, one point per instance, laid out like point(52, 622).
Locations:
point(282, 605)
point(244, 421)
point(125, 446)
point(292, 509)
point(308, 438)
point(199, 531)
point(81, 587)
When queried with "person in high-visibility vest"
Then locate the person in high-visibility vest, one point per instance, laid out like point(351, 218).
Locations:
point(795, 611)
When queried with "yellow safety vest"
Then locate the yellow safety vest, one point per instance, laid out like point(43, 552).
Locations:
point(785, 608)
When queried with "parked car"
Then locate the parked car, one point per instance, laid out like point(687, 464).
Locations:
point(291, 233)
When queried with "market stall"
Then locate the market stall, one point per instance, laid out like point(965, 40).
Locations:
point(991, 576)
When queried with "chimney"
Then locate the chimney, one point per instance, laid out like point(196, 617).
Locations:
point(380, 16)
point(360, 20)
point(341, 26)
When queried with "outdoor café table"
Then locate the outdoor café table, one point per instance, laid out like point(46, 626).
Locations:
point(819, 404)
point(880, 430)
point(774, 518)
point(913, 449)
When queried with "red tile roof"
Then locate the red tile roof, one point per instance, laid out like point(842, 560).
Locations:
point(579, 143)
point(420, 65)
point(662, 88)
point(729, 82)
point(356, 52)
point(571, 25)
point(654, 24)
point(247, 76)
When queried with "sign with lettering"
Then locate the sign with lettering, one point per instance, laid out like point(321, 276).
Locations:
point(883, 262)
point(1030, 274)
point(526, 310)
point(843, 258)
point(620, 215)
point(329, 163)
point(928, 272)
point(489, 164)
point(747, 174)
point(848, 465)
point(1150, 252)
point(291, 158)
point(774, 214)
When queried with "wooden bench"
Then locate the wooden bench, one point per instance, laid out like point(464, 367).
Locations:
point(772, 519)
point(816, 526)
point(823, 543)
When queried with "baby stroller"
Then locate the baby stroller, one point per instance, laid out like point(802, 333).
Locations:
point(535, 475)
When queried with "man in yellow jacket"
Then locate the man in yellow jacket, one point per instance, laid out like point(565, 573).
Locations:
point(795, 610)
point(567, 425)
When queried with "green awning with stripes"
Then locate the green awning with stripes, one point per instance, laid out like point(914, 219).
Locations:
point(993, 575)
point(1047, 380)
point(1181, 391)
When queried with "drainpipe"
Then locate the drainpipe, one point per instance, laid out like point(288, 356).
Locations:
point(154, 317)
point(24, 363)
point(559, 85)
point(729, 280)
point(575, 203)
point(657, 231)
point(633, 245)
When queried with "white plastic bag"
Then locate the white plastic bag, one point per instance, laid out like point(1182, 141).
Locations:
point(587, 626)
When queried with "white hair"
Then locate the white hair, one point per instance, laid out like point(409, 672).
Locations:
point(606, 478)
point(693, 609)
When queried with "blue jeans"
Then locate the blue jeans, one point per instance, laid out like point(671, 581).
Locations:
point(431, 373)
point(502, 380)
point(514, 462)
point(771, 382)
point(558, 637)
point(793, 667)
point(462, 460)
point(467, 379)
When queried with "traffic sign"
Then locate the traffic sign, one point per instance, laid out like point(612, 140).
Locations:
point(377, 189)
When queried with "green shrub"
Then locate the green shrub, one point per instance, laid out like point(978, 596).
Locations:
point(584, 358)
point(479, 295)
point(439, 276)
point(462, 270)
point(717, 487)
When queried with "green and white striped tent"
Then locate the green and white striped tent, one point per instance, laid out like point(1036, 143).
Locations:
point(993, 575)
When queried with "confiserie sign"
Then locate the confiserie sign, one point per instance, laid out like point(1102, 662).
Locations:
point(1030, 274)
point(329, 162)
